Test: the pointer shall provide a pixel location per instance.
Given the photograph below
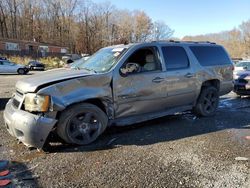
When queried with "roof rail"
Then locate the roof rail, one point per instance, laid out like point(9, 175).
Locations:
point(166, 41)
point(197, 42)
point(179, 41)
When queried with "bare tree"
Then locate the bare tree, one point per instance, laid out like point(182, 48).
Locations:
point(245, 29)
point(81, 25)
point(161, 31)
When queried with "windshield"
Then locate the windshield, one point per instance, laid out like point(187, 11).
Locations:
point(103, 60)
point(77, 63)
point(243, 64)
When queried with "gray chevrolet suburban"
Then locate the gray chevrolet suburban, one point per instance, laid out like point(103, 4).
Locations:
point(119, 85)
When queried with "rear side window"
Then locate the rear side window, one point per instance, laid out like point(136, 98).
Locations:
point(175, 57)
point(210, 55)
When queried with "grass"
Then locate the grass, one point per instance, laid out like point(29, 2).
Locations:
point(50, 62)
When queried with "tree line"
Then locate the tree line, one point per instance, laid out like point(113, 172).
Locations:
point(236, 41)
point(81, 25)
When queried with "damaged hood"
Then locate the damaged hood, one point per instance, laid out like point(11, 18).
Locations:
point(31, 83)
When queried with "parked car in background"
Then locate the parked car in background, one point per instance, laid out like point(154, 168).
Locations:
point(242, 66)
point(236, 59)
point(36, 65)
point(119, 85)
point(7, 66)
point(3, 58)
point(242, 82)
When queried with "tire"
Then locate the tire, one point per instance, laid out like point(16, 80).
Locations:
point(81, 124)
point(21, 71)
point(207, 102)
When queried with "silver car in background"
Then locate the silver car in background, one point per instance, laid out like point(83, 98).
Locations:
point(242, 66)
point(7, 66)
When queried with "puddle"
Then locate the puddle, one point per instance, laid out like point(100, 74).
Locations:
point(189, 117)
point(240, 135)
point(235, 104)
point(225, 103)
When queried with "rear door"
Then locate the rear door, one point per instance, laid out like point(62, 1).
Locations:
point(180, 76)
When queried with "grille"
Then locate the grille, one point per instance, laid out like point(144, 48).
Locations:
point(19, 93)
point(38, 65)
point(242, 81)
point(15, 103)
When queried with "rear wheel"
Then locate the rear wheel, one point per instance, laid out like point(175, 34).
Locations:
point(207, 102)
point(81, 124)
point(21, 71)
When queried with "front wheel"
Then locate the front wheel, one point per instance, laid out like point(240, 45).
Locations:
point(207, 102)
point(21, 71)
point(81, 124)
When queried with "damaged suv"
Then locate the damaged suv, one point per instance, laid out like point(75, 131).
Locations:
point(119, 85)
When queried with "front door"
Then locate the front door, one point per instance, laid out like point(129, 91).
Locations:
point(4, 68)
point(143, 88)
point(9, 67)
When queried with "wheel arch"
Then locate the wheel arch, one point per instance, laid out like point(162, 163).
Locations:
point(207, 83)
point(213, 82)
point(104, 105)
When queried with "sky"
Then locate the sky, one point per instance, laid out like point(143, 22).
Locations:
point(191, 17)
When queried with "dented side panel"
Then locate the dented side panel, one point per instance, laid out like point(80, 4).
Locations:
point(97, 86)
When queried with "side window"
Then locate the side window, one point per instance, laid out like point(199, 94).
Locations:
point(6, 63)
point(142, 60)
point(175, 57)
point(210, 55)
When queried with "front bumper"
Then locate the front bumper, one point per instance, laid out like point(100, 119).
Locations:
point(29, 128)
point(38, 68)
point(242, 89)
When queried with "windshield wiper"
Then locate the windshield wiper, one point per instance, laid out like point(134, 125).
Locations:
point(91, 70)
point(77, 68)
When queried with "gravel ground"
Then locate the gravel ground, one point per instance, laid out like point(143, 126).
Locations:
point(174, 151)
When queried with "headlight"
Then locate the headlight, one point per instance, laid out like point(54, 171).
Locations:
point(36, 103)
point(235, 76)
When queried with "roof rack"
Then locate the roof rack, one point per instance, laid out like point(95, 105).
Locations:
point(197, 42)
point(179, 41)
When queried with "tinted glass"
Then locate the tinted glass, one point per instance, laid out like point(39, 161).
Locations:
point(242, 64)
point(175, 57)
point(210, 55)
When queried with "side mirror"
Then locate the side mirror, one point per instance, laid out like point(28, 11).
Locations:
point(130, 68)
point(245, 68)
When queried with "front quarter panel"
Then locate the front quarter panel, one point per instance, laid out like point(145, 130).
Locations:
point(77, 90)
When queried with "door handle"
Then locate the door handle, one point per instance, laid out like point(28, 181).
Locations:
point(158, 80)
point(189, 75)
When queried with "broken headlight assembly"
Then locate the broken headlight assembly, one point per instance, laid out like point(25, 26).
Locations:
point(36, 103)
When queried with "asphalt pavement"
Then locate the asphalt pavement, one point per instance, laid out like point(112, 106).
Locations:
point(174, 151)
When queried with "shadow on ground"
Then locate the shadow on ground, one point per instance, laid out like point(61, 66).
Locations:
point(3, 102)
point(16, 74)
point(164, 129)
